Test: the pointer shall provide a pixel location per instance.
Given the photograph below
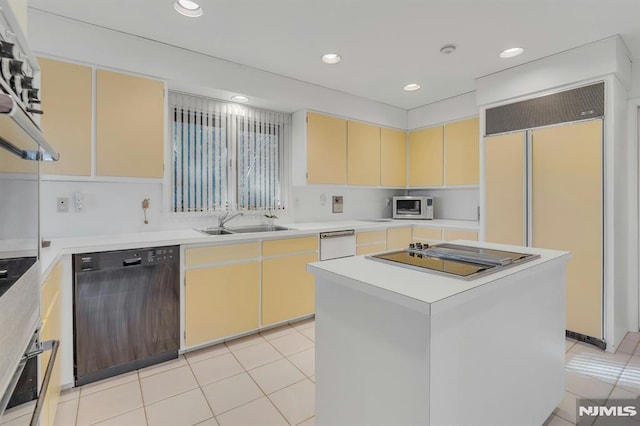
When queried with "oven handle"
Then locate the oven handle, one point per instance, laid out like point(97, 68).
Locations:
point(53, 346)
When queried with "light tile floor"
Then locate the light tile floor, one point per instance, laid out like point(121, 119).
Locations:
point(268, 379)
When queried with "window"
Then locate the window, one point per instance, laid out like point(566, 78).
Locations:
point(226, 156)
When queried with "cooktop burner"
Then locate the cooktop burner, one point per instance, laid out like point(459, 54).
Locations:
point(453, 260)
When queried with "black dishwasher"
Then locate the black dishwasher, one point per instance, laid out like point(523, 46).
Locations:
point(126, 311)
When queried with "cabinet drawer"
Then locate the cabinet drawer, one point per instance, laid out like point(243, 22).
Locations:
point(50, 288)
point(370, 248)
point(432, 234)
point(398, 238)
point(460, 235)
point(214, 254)
point(289, 245)
point(371, 237)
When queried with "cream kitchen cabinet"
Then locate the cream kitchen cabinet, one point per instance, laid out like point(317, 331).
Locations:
point(326, 149)
point(398, 238)
point(222, 287)
point(426, 153)
point(129, 125)
point(393, 157)
point(51, 314)
point(456, 234)
point(363, 154)
point(462, 152)
point(287, 287)
point(371, 242)
point(424, 234)
point(66, 123)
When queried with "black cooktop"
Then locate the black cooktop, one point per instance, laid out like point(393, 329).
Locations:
point(453, 260)
point(12, 269)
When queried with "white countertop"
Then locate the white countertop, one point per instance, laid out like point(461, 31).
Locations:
point(424, 286)
point(61, 246)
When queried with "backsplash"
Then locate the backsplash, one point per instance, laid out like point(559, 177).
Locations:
point(116, 208)
point(455, 204)
point(313, 203)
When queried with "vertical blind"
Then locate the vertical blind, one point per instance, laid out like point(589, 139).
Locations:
point(227, 156)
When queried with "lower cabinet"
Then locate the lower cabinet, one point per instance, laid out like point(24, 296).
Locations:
point(398, 238)
point(51, 313)
point(427, 234)
point(236, 288)
point(371, 242)
point(221, 301)
point(287, 288)
point(452, 234)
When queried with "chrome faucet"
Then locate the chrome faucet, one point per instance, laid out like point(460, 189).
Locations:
point(226, 218)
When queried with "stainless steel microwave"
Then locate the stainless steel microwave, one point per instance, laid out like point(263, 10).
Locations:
point(407, 207)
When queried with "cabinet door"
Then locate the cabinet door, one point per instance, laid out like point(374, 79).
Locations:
point(398, 238)
point(426, 149)
point(66, 123)
point(452, 234)
point(129, 125)
point(287, 288)
point(567, 213)
point(51, 312)
point(221, 301)
point(363, 154)
point(505, 189)
point(370, 248)
point(428, 234)
point(326, 149)
point(462, 152)
point(393, 157)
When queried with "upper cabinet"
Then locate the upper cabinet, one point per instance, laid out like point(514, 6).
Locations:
point(393, 157)
point(129, 125)
point(462, 152)
point(426, 149)
point(326, 149)
point(447, 155)
point(363, 154)
point(66, 101)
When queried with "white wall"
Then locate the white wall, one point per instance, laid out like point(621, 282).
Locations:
point(456, 204)
point(452, 109)
point(313, 202)
point(601, 58)
point(193, 72)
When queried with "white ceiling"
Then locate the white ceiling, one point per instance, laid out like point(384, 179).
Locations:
point(385, 44)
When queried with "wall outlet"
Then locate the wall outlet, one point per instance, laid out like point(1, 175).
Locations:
point(62, 204)
point(338, 206)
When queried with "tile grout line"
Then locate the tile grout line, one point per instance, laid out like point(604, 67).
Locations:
point(254, 381)
point(144, 406)
point(213, 414)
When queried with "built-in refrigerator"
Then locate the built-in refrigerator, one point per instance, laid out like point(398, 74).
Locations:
point(544, 188)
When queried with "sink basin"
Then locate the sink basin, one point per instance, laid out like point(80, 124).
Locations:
point(377, 220)
point(257, 228)
point(215, 231)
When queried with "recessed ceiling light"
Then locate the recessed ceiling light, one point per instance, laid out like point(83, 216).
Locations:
point(448, 49)
point(239, 98)
point(331, 58)
point(510, 53)
point(188, 8)
point(411, 87)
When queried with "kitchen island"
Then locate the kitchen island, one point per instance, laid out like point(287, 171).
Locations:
point(407, 347)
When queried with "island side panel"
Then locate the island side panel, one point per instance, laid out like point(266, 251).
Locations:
point(497, 353)
point(372, 358)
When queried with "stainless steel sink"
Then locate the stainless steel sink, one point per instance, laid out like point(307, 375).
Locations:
point(257, 228)
point(377, 220)
point(215, 231)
